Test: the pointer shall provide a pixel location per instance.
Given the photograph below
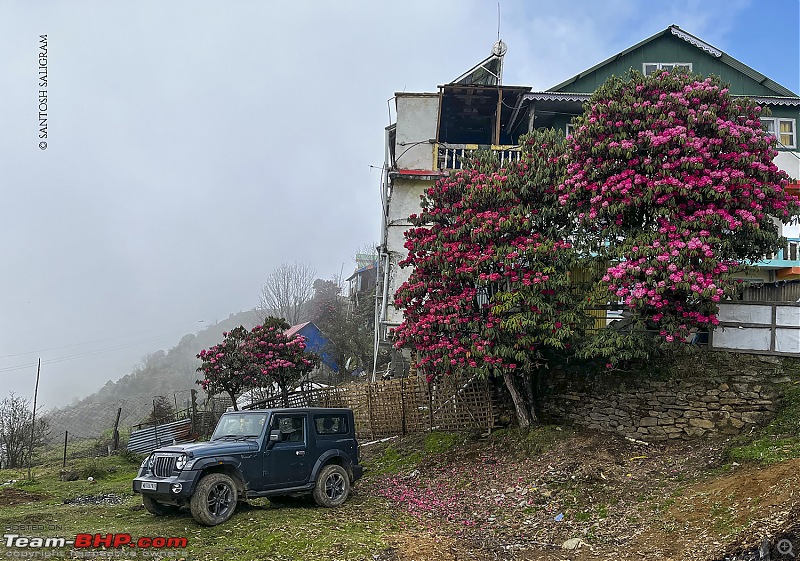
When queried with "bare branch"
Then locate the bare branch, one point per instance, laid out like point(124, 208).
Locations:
point(287, 291)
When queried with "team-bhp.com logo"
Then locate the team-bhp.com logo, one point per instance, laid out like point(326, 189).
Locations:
point(83, 541)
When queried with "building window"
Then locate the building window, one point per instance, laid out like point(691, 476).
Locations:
point(570, 129)
point(782, 129)
point(651, 67)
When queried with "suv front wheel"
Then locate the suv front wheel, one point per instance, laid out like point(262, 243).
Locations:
point(214, 499)
point(156, 508)
point(332, 487)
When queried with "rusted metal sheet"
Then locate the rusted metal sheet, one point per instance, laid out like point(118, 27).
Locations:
point(146, 440)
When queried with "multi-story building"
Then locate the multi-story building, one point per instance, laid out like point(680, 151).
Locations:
point(433, 132)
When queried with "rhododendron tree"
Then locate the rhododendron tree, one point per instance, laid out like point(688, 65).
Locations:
point(262, 357)
point(278, 358)
point(491, 292)
point(226, 366)
point(672, 184)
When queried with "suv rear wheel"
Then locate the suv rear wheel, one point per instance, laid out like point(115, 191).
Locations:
point(214, 499)
point(332, 487)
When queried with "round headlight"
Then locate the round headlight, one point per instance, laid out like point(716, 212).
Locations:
point(180, 463)
point(151, 461)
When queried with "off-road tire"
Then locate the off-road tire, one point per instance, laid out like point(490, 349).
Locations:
point(158, 509)
point(214, 499)
point(332, 487)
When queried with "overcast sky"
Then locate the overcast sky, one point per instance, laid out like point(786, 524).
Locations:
point(194, 146)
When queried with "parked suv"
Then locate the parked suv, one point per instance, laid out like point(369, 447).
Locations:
point(273, 453)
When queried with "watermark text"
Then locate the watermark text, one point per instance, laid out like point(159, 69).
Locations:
point(43, 99)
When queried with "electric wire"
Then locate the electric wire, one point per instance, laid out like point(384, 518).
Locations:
point(92, 352)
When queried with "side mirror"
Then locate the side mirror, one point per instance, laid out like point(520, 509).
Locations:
point(274, 436)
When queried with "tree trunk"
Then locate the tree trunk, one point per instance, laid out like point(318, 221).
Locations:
point(524, 417)
point(233, 399)
point(530, 394)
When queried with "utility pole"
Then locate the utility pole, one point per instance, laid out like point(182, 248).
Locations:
point(33, 419)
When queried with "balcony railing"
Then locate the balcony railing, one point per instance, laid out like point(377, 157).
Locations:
point(787, 256)
point(456, 156)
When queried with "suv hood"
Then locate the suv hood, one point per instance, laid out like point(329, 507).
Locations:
point(211, 448)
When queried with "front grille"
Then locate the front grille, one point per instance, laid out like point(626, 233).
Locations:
point(163, 466)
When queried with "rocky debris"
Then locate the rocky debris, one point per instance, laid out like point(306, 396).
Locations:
point(68, 475)
point(101, 499)
point(573, 543)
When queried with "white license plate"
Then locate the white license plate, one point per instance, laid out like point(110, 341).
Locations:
point(149, 486)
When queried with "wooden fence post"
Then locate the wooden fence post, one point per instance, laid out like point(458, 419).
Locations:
point(490, 410)
point(155, 424)
point(194, 411)
point(403, 406)
point(64, 463)
point(430, 407)
point(369, 412)
point(116, 429)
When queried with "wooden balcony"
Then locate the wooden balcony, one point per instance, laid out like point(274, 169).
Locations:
point(455, 156)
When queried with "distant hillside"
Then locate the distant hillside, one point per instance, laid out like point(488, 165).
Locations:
point(171, 374)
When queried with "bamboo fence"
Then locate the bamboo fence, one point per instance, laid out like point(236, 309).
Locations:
point(404, 405)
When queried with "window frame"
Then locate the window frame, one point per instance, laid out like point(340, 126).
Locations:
point(276, 422)
point(660, 66)
point(570, 129)
point(776, 132)
point(342, 429)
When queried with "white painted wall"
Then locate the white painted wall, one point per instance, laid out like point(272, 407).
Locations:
point(405, 201)
point(790, 163)
point(417, 115)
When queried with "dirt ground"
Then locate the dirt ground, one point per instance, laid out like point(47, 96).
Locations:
point(609, 497)
point(10, 496)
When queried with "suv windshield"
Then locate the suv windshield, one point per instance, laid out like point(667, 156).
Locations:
point(241, 425)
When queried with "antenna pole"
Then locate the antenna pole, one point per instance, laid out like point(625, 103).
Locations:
point(498, 21)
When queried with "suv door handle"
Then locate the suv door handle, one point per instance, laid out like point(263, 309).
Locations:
point(301, 452)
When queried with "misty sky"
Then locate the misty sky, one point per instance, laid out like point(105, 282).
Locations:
point(194, 146)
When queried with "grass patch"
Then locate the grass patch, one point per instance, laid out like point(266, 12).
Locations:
point(392, 461)
point(533, 442)
point(440, 442)
point(408, 452)
point(776, 442)
point(358, 530)
point(582, 516)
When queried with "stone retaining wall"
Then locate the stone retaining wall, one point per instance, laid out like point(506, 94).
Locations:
point(709, 394)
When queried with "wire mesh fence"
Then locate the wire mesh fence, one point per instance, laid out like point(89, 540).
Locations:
point(383, 408)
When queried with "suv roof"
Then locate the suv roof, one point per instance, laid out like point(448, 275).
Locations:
point(297, 410)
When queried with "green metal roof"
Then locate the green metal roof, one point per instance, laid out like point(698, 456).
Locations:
point(701, 45)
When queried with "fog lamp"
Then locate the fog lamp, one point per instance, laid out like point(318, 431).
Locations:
point(176, 487)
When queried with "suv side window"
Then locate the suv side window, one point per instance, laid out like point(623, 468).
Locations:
point(292, 427)
point(331, 424)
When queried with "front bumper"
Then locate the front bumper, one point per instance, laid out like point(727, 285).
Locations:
point(163, 485)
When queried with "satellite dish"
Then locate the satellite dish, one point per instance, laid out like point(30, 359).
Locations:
point(499, 48)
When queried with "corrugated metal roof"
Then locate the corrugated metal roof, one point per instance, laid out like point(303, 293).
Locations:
point(293, 330)
point(146, 440)
point(363, 269)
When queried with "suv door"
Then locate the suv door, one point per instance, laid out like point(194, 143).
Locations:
point(287, 463)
